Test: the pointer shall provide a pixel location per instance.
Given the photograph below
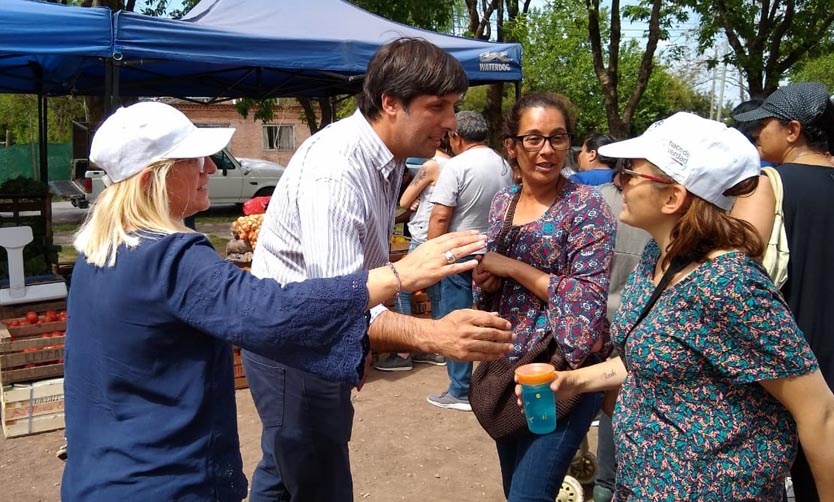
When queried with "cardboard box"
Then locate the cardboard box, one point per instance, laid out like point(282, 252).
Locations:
point(33, 407)
point(240, 376)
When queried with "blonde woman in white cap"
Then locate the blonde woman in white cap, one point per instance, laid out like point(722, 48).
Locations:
point(717, 380)
point(153, 312)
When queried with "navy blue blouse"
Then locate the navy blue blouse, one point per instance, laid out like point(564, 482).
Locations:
point(149, 386)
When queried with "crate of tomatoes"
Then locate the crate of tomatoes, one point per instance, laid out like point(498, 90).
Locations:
point(32, 346)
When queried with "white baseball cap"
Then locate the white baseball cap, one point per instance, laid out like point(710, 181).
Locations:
point(705, 156)
point(138, 135)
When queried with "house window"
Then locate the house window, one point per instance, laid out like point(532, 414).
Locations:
point(279, 137)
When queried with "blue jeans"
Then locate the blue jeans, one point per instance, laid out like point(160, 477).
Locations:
point(606, 462)
point(455, 294)
point(533, 466)
point(402, 303)
point(307, 423)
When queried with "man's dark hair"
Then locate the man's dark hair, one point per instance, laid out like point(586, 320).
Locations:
point(407, 68)
point(472, 126)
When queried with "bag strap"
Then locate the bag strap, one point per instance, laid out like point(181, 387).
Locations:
point(502, 243)
point(676, 266)
point(776, 184)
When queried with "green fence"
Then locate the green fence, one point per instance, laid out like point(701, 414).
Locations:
point(17, 161)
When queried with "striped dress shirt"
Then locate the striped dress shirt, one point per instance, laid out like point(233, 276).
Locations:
point(332, 212)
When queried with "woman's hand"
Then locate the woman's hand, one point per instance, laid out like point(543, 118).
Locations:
point(436, 259)
point(565, 386)
point(488, 282)
point(495, 264)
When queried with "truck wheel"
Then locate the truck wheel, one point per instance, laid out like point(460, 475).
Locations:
point(264, 192)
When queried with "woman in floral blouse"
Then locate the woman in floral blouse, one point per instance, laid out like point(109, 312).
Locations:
point(717, 380)
point(551, 276)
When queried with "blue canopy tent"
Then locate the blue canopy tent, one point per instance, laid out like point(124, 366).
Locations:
point(45, 48)
point(268, 48)
point(223, 48)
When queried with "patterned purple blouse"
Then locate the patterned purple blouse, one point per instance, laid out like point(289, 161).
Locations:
point(691, 422)
point(573, 241)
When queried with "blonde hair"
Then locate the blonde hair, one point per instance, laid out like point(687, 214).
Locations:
point(124, 212)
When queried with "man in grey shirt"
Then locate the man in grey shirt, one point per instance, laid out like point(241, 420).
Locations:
point(333, 213)
point(461, 198)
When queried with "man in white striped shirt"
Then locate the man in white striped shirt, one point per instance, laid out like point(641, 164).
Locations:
point(332, 213)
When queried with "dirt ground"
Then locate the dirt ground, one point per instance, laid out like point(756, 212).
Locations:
point(403, 449)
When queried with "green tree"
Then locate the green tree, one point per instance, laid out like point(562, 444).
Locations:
point(659, 16)
point(435, 15)
point(558, 58)
point(818, 69)
point(766, 37)
point(19, 122)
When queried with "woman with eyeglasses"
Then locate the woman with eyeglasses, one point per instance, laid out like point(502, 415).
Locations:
point(717, 380)
point(550, 244)
point(153, 312)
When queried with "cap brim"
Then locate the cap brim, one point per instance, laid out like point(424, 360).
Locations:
point(201, 143)
point(757, 114)
point(634, 148)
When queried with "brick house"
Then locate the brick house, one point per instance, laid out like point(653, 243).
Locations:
point(275, 141)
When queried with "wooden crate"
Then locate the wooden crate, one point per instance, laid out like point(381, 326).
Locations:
point(240, 376)
point(33, 407)
point(28, 353)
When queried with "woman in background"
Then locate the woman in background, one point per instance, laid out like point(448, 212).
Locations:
point(794, 131)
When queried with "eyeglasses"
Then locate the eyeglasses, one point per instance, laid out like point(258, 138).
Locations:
point(535, 142)
point(626, 174)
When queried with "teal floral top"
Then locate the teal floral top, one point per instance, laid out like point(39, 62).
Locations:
point(692, 423)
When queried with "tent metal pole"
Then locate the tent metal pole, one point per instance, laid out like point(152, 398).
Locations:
point(517, 89)
point(43, 138)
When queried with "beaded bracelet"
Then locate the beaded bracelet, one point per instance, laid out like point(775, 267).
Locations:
point(397, 276)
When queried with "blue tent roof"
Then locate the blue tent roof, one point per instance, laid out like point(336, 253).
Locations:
point(230, 48)
point(45, 47)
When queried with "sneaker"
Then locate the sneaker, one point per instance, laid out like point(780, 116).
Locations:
point(446, 400)
point(394, 363)
point(435, 359)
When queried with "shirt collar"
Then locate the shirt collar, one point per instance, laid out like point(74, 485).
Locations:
point(379, 155)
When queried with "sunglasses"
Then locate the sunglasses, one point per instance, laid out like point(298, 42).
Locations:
point(626, 174)
point(201, 163)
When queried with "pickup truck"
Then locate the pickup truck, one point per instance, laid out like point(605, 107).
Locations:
point(235, 182)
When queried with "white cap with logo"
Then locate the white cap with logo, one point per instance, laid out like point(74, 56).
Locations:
point(705, 156)
point(138, 135)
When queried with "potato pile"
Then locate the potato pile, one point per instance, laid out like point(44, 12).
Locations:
point(245, 238)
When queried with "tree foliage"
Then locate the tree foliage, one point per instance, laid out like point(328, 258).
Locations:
point(766, 37)
point(19, 122)
point(818, 69)
point(558, 58)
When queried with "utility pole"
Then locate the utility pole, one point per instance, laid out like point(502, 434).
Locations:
point(723, 82)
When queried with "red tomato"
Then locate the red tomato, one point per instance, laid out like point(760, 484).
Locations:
point(62, 315)
point(14, 323)
point(32, 317)
point(50, 316)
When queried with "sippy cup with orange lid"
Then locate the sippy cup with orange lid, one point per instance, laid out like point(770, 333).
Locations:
point(536, 396)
